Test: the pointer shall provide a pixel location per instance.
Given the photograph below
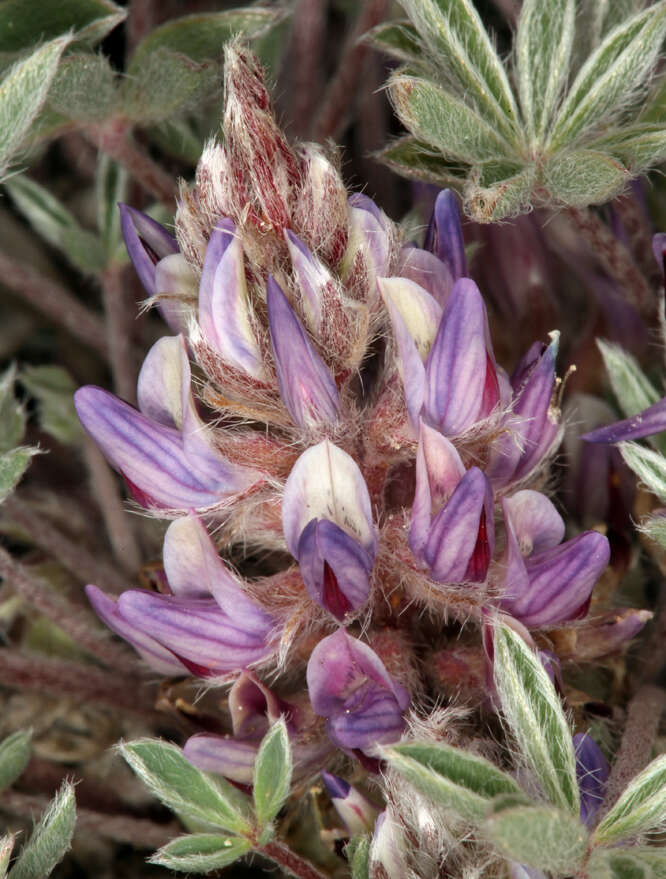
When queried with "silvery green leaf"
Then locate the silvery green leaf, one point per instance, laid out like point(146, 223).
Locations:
point(584, 177)
point(186, 789)
point(459, 42)
point(14, 756)
point(51, 219)
point(655, 528)
point(641, 149)
point(611, 75)
point(166, 83)
point(13, 465)
point(444, 121)
point(53, 388)
point(272, 773)
point(452, 778)
point(201, 37)
point(533, 712)
point(111, 188)
point(419, 161)
point(399, 39)
point(488, 196)
point(648, 465)
point(640, 808)
point(22, 24)
point(6, 849)
point(358, 855)
point(636, 862)
point(201, 852)
point(50, 839)
point(84, 88)
point(23, 92)
point(539, 836)
point(543, 52)
point(12, 414)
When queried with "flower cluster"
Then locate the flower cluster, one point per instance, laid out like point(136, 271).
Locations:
point(349, 413)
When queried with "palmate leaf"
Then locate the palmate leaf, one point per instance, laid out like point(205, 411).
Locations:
point(543, 51)
point(636, 862)
point(640, 808)
point(201, 852)
point(415, 159)
point(12, 413)
point(14, 756)
point(584, 177)
point(272, 773)
point(50, 839)
point(496, 190)
point(84, 88)
point(457, 40)
point(610, 75)
point(23, 25)
point(532, 710)
point(400, 40)
point(13, 465)
point(648, 465)
point(53, 389)
point(451, 777)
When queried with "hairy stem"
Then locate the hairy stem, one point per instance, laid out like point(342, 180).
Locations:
point(120, 312)
point(115, 140)
point(335, 105)
point(643, 716)
point(75, 620)
point(615, 259)
point(118, 524)
point(72, 555)
point(290, 862)
point(54, 302)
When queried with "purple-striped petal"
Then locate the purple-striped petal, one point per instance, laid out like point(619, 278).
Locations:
point(335, 568)
point(444, 236)
point(151, 456)
point(222, 754)
point(157, 656)
point(536, 523)
point(371, 716)
point(561, 581)
point(592, 770)
point(147, 243)
point(307, 387)
point(426, 270)
point(326, 483)
point(439, 469)
point(197, 631)
point(462, 536)
point(461, 382)
point(649, 421)
point(224, 312)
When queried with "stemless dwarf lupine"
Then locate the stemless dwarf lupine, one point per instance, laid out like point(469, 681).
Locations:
point(350, 417)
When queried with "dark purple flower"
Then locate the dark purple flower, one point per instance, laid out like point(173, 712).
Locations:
point(592, 770)
point(349, 686)
point(444, 237)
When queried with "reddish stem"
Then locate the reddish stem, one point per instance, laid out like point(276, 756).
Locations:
point(290, 862)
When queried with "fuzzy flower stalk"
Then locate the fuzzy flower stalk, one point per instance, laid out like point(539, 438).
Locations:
point(329, 396)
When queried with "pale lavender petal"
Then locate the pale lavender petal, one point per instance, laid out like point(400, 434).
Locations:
point(458, 366)
point(156, 656)
point(159, 388)
point(335, 568)
point(307, 387)
point(222, 754)
point(649, 421)
point(520, 871)
point(419, 310)
point(536, 522)
point(659, 250)
point(444, 237)
point(176, 285)
point(592, 770)
point(439, 469)
point(462, 537)
point(147, 243)
point(150, 455)
point(326, 483)
point(312, 276)
point(516, 578)
point(338, 666)
point(196, 630)
point(410, 365)
point(369, 229)
point(224, 313)
point(426, 270)
point(561, 580)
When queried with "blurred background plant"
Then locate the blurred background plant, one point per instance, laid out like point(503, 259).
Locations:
point(103, 103)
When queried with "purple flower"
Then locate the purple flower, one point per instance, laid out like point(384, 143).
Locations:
point(547, 582)
point(349, 686)
point(328, 528)
point(307, 387)
point(444, 237)
point(592, 770)
point(208, 623)
point(452, 528)
point(370, 243)
point(532, 427)
point(164, 451)
point(356, 812)
point(445, 357)
point(426, 270)
point(649, 421)
point(225, 316)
